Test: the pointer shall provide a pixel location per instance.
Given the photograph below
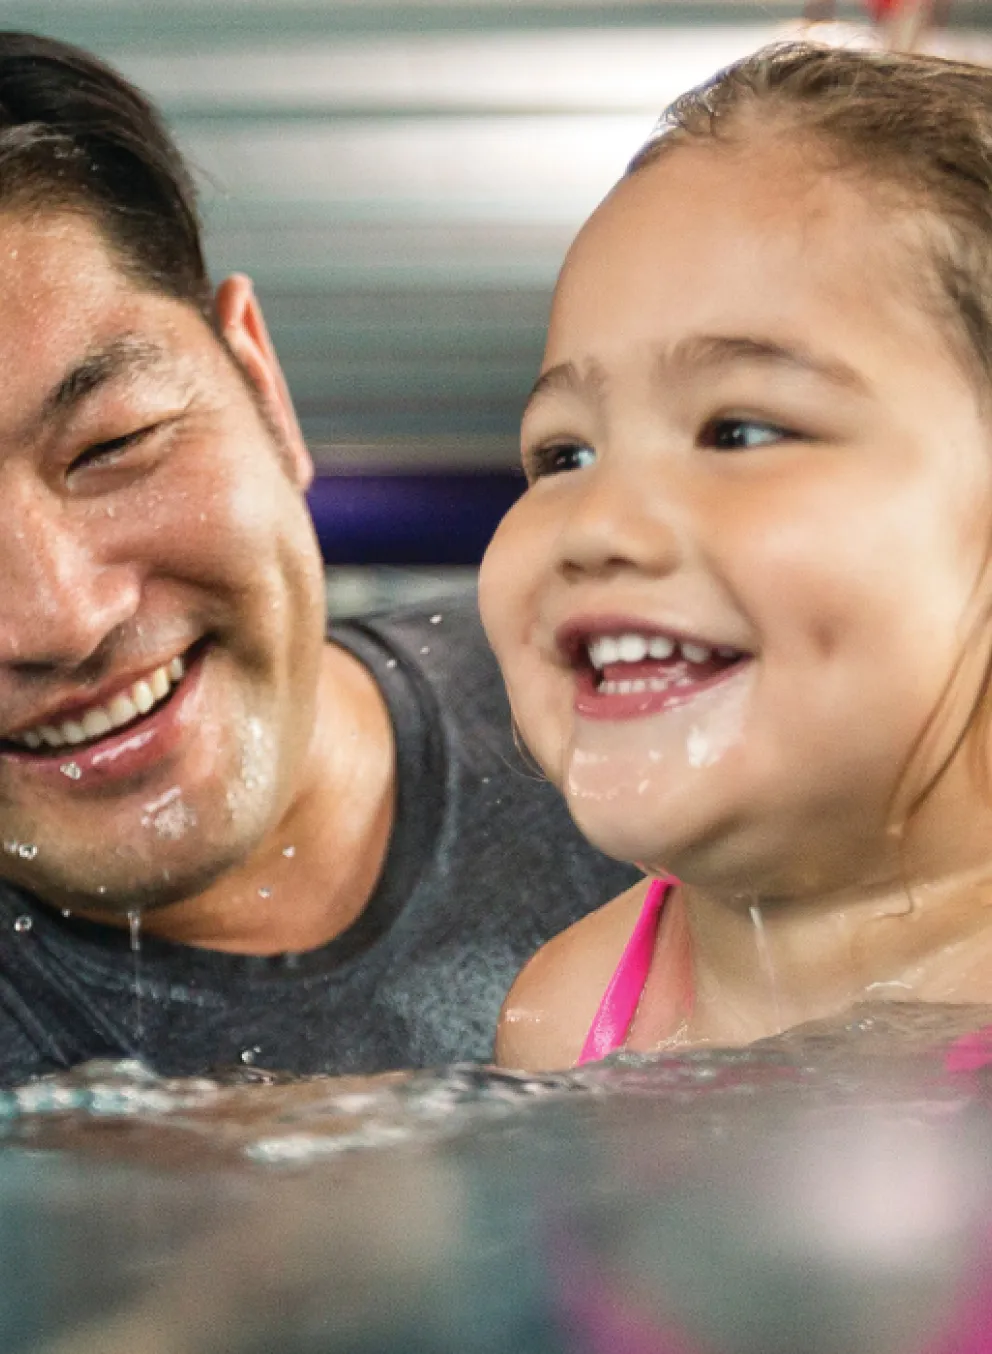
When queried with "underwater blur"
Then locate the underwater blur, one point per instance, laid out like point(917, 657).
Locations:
point(826, 1191)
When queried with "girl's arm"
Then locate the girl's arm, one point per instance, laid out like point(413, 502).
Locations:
point(552, 1003)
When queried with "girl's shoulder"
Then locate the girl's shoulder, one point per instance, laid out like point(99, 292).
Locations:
point(555, 997)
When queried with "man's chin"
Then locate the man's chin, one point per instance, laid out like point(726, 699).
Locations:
point(116, 897)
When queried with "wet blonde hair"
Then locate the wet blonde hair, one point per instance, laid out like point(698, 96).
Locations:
point(918, 131)
point(918, 128)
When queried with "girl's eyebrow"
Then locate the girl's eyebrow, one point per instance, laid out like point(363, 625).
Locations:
point(701, 354)
point(704, 352)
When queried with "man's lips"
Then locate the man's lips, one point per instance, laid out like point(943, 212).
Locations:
point(119, 706)
point(109, 761)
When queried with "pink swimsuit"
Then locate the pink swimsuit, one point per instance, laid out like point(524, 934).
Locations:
point(609, 1027)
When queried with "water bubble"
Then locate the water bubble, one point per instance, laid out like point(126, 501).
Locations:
point(248, 1055)
point(485, 780)
point(23, 924)
point(71, 769)
point(390, 663)
point(426, 649)
point(289, 852)
point(66, 912)
point(437, 618)
point(27, 850)
point(264, 892)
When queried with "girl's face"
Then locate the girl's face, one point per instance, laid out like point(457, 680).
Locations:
point(753, 543)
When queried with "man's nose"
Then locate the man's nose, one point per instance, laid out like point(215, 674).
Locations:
point(60, 596)
point(620, 519)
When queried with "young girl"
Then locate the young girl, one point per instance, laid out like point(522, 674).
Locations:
point(744, 609)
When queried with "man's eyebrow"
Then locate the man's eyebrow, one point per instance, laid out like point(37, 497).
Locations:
point(708, 351)
point(124, 355)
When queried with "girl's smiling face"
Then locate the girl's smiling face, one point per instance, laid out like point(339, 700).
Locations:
point(755, 451)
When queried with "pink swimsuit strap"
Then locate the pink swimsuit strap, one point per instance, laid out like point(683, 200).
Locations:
point(612, 1020)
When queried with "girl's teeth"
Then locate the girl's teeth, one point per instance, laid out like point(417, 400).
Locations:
point(632, 648)
point(101, 720)
point(695, 653)
point(604, 650)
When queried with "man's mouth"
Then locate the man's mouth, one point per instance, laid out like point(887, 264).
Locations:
point(87, 724)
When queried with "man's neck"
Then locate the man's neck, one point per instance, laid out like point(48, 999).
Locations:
point(314, 872)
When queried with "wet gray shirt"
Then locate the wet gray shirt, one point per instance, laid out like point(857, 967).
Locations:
point(484, 865)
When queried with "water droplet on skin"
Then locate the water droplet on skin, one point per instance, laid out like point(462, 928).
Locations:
point(289, 852)
point(264, 893)
point(248, 1055)
point(71, 769)
point(426, 649)
point(27, 850)
point(390, 663)
point(101, 888)
point(436, 618)
point(22, 924)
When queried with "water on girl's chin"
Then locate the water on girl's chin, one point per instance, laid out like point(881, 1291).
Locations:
point(824, 1191)
point(624, 777)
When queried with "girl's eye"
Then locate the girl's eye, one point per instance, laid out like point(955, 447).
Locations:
point(742, 434)
point(558, 458)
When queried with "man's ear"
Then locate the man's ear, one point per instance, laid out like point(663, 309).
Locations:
point(242, 326)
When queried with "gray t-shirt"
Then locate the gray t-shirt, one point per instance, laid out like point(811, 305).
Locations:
point(484, 865)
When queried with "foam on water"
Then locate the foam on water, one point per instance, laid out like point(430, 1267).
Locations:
point(879, 1052)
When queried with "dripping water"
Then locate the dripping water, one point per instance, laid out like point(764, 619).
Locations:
point(765, 960)
point(134, 927)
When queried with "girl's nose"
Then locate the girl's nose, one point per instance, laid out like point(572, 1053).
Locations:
point(59, 599)
point(618, 522)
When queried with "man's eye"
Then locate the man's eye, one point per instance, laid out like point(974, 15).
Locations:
point(105, 453)
point(742, 434)
point(558, 458)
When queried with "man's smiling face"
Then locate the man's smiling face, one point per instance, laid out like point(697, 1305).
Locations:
point(161, 608)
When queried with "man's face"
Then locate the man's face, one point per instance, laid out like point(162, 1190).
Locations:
point(161, 593)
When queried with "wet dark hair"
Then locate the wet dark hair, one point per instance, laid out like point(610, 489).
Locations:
point(75, 135)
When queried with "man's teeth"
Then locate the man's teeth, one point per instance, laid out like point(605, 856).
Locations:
point(98, 720)
point(633, 648)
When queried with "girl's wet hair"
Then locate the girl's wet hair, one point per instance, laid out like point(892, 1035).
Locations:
point(918, 128)
point(74, 135)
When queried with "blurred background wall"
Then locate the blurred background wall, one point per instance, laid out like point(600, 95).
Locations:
point(402, 180)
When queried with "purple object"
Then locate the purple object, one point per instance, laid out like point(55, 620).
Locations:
point(410, 519)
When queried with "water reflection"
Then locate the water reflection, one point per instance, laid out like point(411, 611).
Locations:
point(827, 1190)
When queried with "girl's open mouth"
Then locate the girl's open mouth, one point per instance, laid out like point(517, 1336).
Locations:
point(625, 675)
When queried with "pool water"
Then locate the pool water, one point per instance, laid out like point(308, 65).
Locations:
point(827, 1190)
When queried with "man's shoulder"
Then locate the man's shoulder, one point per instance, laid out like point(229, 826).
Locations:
point(442, 645)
